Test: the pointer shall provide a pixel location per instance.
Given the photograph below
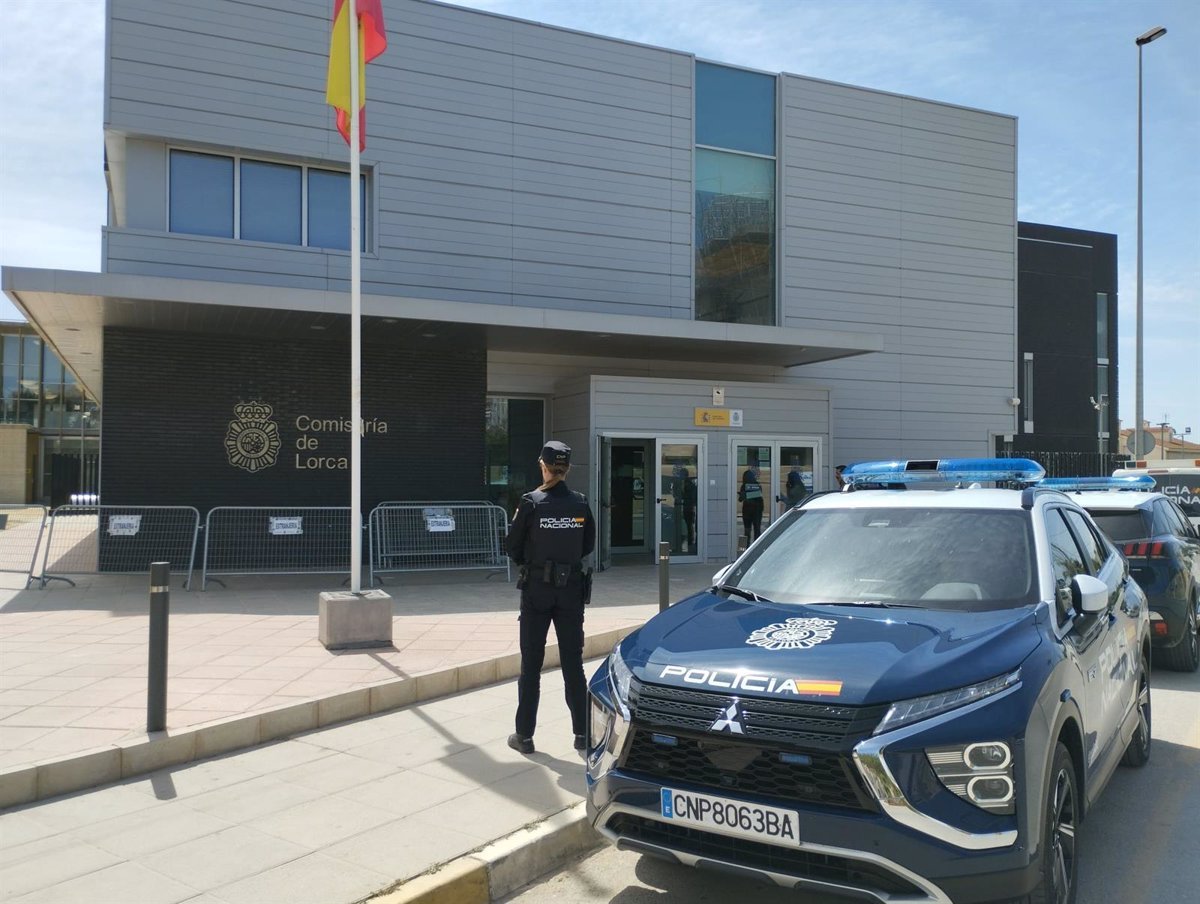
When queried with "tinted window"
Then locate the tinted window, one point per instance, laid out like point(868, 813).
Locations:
point(201, 194)
point(735, 109)
point(329, 210)
point(935, 558)
point(1094, 553)
point(1065, 560)
point(1164, 520)
point(270, 202)
point(735, 238)
point(1123, 525)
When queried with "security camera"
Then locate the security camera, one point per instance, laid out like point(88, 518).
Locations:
point(1014, 401)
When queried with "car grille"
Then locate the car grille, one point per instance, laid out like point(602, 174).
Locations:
point(844, 871)
point(814, 726)
point(747, 768)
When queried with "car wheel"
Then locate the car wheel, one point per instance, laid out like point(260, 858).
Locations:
point(1138, 751)
point(1060, 845)
point(1185, 655)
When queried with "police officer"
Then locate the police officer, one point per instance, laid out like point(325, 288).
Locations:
point(551, 533)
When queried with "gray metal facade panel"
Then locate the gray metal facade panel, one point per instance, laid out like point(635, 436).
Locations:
point(901, 213)
point(515, 163)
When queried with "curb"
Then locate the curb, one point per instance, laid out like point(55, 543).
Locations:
point(144, 753)
point(502, 867)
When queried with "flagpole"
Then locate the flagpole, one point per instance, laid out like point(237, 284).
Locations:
point(355, 325)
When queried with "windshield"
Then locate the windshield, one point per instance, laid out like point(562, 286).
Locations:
point(1122, 525)
point(931, 558)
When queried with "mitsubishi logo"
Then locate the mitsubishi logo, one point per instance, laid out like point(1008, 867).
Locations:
point(729, 720)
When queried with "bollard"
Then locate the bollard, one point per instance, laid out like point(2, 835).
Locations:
point(156, 688)
point(664, 576)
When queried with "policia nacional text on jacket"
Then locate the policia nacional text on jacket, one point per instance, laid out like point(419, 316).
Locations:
point(551, 533)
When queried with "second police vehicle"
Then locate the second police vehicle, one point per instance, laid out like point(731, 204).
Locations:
point(906, 694)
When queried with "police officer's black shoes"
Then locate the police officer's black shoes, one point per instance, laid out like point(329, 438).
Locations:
point(520, 744)
point(580, 745)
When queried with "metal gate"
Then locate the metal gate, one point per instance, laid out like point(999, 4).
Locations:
point(119, 539)
point(270, 540)
point(21, 528)
point(407, 536)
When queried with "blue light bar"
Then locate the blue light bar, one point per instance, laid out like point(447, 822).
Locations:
point(946, 470)
point(1069, 484)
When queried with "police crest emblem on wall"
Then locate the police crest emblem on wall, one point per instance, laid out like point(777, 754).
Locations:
point(252, 440)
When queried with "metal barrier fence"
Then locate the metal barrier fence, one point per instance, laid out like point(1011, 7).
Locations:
point(276, 540)
point(119, 539)
point(406, 536)
point(1073, 464)
point(21, 529)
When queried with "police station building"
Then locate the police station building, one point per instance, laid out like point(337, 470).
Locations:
point(682, 269)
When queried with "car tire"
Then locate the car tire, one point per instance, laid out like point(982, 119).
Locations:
point(1059, 868)
point(1138, 752)
point(1185, 655)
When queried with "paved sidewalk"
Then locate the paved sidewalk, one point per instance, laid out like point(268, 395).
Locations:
point(73, 660)
point(329, 817)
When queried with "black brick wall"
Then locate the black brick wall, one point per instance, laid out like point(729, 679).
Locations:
point(169, 399)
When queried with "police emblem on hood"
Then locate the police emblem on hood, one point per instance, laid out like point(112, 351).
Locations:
point(793, 634)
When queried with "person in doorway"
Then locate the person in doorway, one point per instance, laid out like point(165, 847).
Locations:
point(837, 474)
point(750, 494)
point(796, 491)
point(551, 532)
point(685, 502)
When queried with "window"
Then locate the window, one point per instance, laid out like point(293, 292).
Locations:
point(1027, 391)
point(271, 202)
point(329, 210)
point(1164, 519)
point(515, 431)
point(1102, 326)
point(201, 194)
point(735, 195)
point(261, 201)
point(735, 238)
point(1065, 561)
point(735, 109)
point(1094, 551)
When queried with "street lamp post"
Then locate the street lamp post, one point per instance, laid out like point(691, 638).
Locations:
point(1152, 35)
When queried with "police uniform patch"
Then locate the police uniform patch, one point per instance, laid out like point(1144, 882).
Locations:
point(793, 634)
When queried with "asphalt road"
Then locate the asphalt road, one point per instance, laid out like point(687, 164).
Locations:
point(1141, 845)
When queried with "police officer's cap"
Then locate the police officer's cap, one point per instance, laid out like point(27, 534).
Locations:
point(556, 453)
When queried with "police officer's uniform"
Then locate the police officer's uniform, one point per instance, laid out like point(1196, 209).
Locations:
point(551, 533)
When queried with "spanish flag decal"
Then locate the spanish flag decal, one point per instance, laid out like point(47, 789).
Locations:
point(818, 688)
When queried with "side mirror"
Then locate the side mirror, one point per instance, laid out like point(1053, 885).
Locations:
point(719, 577)
point(1089, 595)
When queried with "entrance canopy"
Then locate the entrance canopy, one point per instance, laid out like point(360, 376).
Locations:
point(71, 309)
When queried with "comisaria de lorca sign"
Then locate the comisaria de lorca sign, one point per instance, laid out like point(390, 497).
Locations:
point(252, 441)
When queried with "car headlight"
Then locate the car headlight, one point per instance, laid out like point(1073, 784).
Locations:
point(907, 711)
point(979, 773)
point(598, 725)
point(621, 677)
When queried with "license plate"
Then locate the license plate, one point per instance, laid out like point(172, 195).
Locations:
point(731, 817)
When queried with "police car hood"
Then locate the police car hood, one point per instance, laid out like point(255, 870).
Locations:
point(845, 654)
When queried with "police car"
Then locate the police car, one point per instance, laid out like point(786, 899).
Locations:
point(910, 694)
point(1163, 549)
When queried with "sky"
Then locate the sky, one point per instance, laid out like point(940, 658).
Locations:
point(1067, 69)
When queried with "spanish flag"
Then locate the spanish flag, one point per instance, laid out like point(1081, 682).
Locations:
point(372, 41)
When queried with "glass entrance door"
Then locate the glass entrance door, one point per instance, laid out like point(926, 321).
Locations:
point(767, 477)
point(680, 466)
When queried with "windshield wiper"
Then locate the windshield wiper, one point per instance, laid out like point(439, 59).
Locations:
point(744, 594)
point(874, 604)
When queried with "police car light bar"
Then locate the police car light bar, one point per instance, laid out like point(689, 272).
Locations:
point(945, 470)
point(1074, 484)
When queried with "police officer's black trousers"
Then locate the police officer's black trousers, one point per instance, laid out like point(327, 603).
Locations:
point(541, 605)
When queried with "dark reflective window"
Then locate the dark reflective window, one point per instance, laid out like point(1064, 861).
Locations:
point(201, 194)
point(735, 238)
point(735, 109)
point(514, 437)
point(270, 203)
point(329, 210)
